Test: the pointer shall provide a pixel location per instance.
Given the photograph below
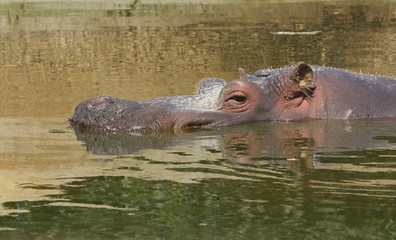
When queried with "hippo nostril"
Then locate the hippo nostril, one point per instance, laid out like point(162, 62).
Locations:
point(99, 101)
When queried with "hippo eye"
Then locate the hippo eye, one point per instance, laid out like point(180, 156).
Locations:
point(238, 98)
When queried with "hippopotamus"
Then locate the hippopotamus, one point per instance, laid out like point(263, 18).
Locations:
point(295, 93)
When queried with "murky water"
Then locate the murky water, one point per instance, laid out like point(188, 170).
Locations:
point(274, 180)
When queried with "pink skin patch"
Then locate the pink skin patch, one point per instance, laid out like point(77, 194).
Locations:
point(99, 101)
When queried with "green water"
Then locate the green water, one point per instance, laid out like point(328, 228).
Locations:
point(271, 180)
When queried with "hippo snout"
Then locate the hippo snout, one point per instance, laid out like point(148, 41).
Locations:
point(119, 115)
point(113, 114)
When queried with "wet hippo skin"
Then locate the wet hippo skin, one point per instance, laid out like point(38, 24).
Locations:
point(300, 92)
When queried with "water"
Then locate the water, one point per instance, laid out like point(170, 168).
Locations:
point(273, 180)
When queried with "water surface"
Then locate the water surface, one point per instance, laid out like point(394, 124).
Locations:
point(273, 180)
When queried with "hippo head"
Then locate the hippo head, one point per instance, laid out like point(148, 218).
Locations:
point(269, 94)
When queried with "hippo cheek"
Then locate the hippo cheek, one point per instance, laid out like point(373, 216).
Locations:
point(296, 113)
point(295, 109)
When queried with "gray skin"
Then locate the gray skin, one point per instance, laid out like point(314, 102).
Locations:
point(294, 93)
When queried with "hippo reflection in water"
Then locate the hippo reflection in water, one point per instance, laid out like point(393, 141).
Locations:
point(294, 93)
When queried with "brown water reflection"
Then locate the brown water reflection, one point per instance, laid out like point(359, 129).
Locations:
point(37, 155)
point(254, 142)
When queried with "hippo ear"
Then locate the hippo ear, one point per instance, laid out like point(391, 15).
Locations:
point(302, 75)
point(242, 73)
